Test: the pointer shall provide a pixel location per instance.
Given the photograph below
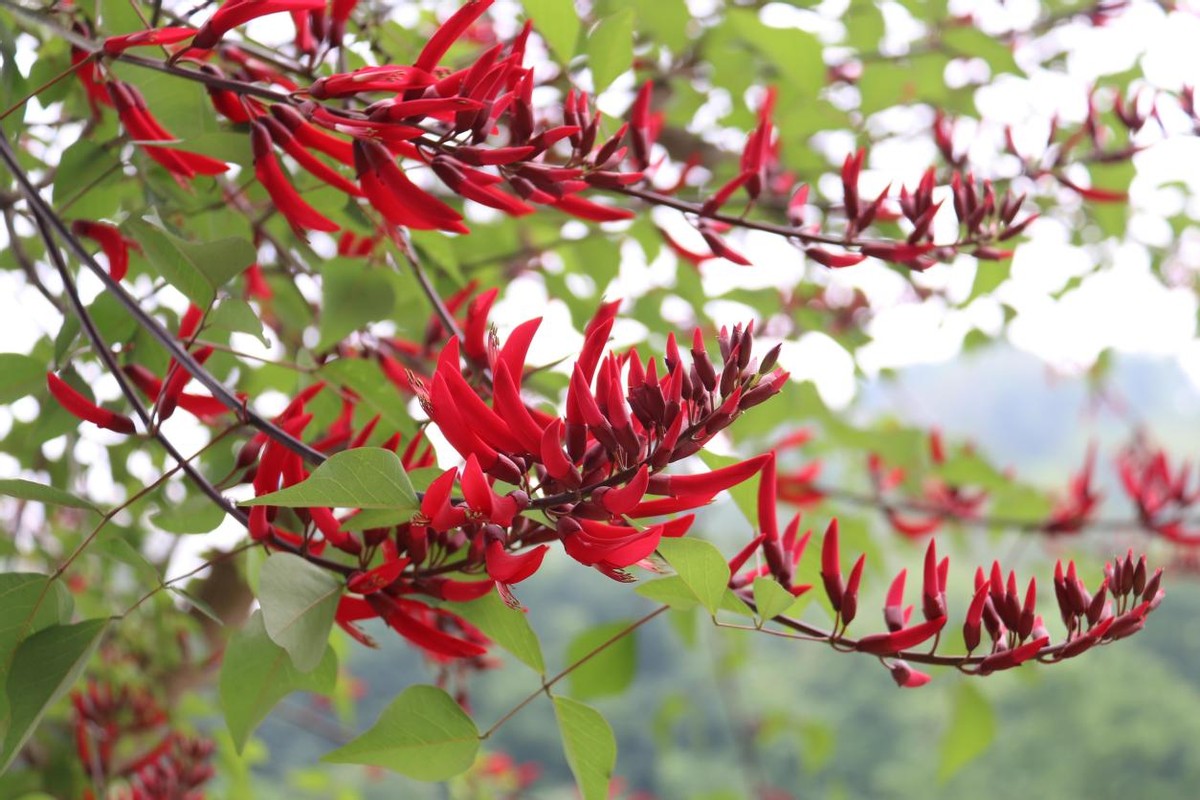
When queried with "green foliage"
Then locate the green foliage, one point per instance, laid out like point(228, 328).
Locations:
point(28, 490)
point(365, 477)
point(44, 667)
point(298, 602)
point(198, 269)
point(507, 626)
point(423, 734)
point(700, 566)
point(558, 24)
point(609, 48)
point(589, 745)
point(20, 375)
point(972, 728)
point(256, 674)
point(610, 670)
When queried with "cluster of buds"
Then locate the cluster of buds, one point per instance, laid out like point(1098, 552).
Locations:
point(1118, 608)
point(105, 720)
point(939, 499)
point(1016, 631)
point(141, 126)
point(586, 477)
point(1161, 493)
point(1073, 512)
point(449, 121)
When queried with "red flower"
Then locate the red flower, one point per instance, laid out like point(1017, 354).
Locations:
point(79, 406)
point(266, 168)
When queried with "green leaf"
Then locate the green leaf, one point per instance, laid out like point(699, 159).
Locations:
point(771, 598)
point(45, 666)
point(40, 493)
point(298, 602)
point(116, 547)
point(970, 42)
point(670, 591)
point(197, 269)
point(557, 22)
point(611, 670)
point(794, 53)
point(196, 603)
point(988, 277)
point(353, 295)
point(701, 566)
point(423, 734)
point(20, 375)
point(609, 48)
point(84, 165)
point(508, 627)
point(256, 674)
point(971, 730)
point(233, 314)
point(196, 514)
point(589, 745)
point(365, 477)
point(29, 602)
point(817, 743)
point(367, 380)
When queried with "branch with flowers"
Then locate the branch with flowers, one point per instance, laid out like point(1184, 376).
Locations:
point(419, 467)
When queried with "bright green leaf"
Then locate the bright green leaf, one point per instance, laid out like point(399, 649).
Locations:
point(508, 627)
point(40, 493)
point(116, 547)
point(794, 53)
point(298, 603)
point(670, 591)
point(365, 477)
point(589, 745)
point(557, 22)
point(771, 598)
point(423, 734)
point(701, 566)
point(233, 314)
point(971, 730)
point(198, 269)
point(45, 666)
point(196, 514)
point(354, 295)
point(609, 48)
point(611, 670)
point(256, 674)
point(20, 375)
point(367, 380)
point(29, 602)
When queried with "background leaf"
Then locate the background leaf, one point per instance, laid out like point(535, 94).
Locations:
point(40, 493)
point(557, 22)
point(508, 627)
point(609, 48)
point(197, 269)
point(365, 477)
point(257, 673)
point(589, 745)
point(423, 734)
point(611, 671)
point(19, 376)
point(971, 730)
point(43, 669)
point(701, 566)
point(298, 602)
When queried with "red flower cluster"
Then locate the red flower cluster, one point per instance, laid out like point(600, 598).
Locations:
point(107, 721)
point(589, 475)
point(1161, 493)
